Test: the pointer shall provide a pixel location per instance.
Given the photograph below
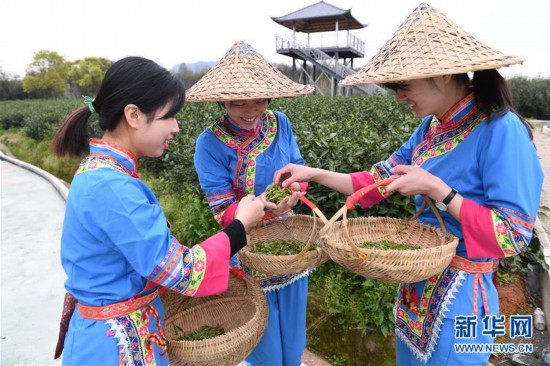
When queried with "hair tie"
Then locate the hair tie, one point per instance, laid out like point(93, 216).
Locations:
point(88, 101)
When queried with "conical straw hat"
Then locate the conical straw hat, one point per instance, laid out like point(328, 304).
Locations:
point(244, 74)
point(428, 44)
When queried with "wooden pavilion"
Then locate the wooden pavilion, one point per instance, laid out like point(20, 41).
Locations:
point(323, 17)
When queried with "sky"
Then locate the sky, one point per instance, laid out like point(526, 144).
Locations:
point(175, 31)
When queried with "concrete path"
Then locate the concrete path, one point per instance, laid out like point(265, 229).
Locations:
point(31, 300)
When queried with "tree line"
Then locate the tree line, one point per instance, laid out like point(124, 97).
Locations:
point(50, 75)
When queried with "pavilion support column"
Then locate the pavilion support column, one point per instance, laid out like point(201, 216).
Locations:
point(315, 79)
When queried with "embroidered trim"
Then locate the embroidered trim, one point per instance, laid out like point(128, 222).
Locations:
point(99, 161)
point(182, 273)
point(271, 283)
point(124, 345)
point(445, 141)
point(248, 149)
point(199, 269)
point(512, 234)
point(116, 149)
point(444, 136)
point(220, 201)
point(135, 340)
point(427, 343)
point(117, 309)
point(171, 266)
point(292, 279)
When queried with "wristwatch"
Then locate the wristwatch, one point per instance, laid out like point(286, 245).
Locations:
point(442, 205)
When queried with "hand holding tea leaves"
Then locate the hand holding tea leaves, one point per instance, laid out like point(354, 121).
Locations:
point(284, 198)
point(276, 194)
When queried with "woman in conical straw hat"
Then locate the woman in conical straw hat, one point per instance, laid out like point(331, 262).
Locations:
point(473, 155)
point(239, 154)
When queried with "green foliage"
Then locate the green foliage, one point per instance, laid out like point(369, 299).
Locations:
point(87, 74)
point(204, 332)
point(359, 302)
point(39, 153)
point(47, 75)
point(274, 193)
point(189, 77)
point(504, 277)
point(190, 218)
point(280, 247)
point(347, 135)
point(531, 96)
point(176, 165)
point(11, 87)
point(527, 261)
point(40, 119)
point(11, 115)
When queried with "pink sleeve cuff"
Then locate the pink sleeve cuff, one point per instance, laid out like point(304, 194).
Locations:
point(478, 231)
point(363, 179)
point(229, 215)
point(216, 277)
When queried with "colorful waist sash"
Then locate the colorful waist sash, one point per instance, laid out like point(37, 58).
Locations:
point(473, 267)
point(117, 309)
point(476, 268)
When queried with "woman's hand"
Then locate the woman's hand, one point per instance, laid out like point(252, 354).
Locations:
point(293, 173)
point(413, 180)
point(250, 211)
point(288, 202)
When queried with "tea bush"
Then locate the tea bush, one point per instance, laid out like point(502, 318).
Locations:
point(531, 96)
point(359, 302)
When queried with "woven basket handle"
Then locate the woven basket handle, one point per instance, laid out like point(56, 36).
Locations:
point(316, 213)
point(356, 196)
point(314, 208)
point(352, 200)
point(434, 210)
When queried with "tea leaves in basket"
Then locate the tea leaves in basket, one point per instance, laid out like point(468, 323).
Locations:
point(275, 194)
point(279, 247)
point(204, 332)
point(385, 245)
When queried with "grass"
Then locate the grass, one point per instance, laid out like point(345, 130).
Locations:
point(39, 154)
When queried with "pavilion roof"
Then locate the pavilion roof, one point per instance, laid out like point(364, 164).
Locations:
point(319, 17)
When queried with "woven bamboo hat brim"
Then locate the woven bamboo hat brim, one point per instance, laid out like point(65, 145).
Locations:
point(244, 74)
point(428, 44)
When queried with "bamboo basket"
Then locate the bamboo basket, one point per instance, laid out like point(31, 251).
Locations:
point(241, 311)
point(299, 228)
point(341, 240)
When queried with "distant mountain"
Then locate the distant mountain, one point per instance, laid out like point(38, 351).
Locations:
point(195, 67)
